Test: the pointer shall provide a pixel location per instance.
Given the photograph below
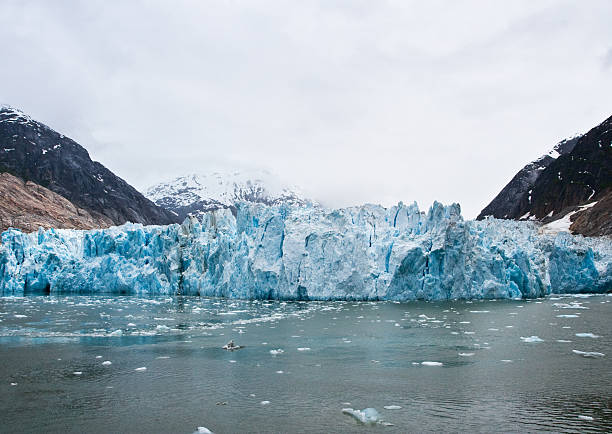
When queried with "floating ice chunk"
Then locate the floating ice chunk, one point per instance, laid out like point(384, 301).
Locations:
point(116, 333)
point(144, 368)
point(506, 360)
point(431, 363)
point(265, 402)
point(13, 384)
point(280, 372)
point(531, 339)
point(162, 328)
point(563, 341)
point(303, 349)
point(20, 316)
point(589, 354)
point(277, 351)
point(131, 324)
point(367, 416)
point(203, 430)
point(586, 335)
point(392, 407)
point(98, 357)
point(162, 357)
point(493, 330)
point(77, 372)
point(583, 417)
point(466, 354)
point(479, 311)
point(107, 363)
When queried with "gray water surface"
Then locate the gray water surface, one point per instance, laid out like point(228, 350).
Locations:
point(499, 365)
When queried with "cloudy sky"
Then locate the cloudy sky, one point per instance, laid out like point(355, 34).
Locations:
point(354, 101)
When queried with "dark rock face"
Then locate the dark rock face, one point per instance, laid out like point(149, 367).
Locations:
point(34, 152)
point(579, 176)
point(516, 195)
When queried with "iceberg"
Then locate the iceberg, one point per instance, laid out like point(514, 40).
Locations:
point(290, 252)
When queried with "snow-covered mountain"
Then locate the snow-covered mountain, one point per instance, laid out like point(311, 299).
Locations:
point(196, 194)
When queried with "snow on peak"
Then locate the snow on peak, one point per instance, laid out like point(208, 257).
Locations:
point(196, 193)
point(12, 115)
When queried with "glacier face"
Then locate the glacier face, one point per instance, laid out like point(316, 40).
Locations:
point(309, 253)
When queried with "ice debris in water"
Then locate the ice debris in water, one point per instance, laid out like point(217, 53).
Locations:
point(116, 333)
point(265, 402)
point(586, 335)
point(589, 354)
point(276, 352)
point(144, 368)
point(107, 363)
point(531, 339)
point(203, 430)
point(431, 363)
point(310, 253)
point(392, 407)
point(303, 349)
point(367, 416)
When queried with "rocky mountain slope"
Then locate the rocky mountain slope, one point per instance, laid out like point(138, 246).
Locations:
point(34, 152)
point(562, 188)
point(516, 195)
point(197, 194)
point(28, 206)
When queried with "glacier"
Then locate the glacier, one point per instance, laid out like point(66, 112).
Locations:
point(290, 252)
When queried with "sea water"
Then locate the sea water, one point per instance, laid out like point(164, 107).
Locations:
point(127, 364)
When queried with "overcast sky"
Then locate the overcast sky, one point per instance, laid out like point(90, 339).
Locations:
point(354, 101)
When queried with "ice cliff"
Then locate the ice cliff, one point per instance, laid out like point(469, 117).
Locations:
point(299, 253)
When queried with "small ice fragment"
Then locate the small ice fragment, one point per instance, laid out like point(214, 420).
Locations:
point(265, 402)
point(506, 360)
point(13, 384)
point(466, 354)
point(567, 316)
point(303, 349)
point(586, 335)
point(131, 324)
point(116, 333)
point(77, 372)
point(589, 354)
point(563, 341)
point(277, 351)
point(232, 361)
point(367, 416)
point(203, 430)
point(531, 339)
point(583, 417)
point(107, 362)
point(162, 357)
point(98, 357)
point(21, 316)
point(431, 363)
point(392, 407)
point(494, 330)
point(280, 372)
point(144, 368)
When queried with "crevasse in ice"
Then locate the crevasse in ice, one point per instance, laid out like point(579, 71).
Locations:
point(310, 253)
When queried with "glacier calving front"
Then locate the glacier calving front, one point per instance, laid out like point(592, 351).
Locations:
point(309, 253)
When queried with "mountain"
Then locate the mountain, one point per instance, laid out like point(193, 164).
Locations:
point(196, 194)
point(574, 190)
point(516, 195)
point(28, 206)
point(34, 152)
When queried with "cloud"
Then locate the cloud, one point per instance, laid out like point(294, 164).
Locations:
point(354, 101)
